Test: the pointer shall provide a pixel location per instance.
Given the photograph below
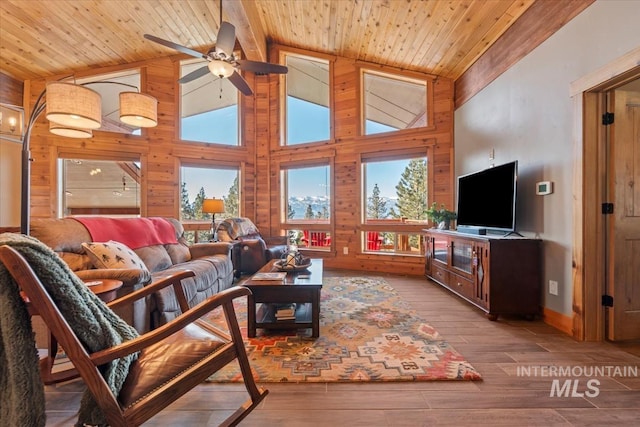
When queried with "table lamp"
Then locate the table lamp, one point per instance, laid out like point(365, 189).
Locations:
point(213, 206)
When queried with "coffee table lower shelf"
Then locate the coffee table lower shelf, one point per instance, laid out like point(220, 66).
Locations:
point(266, 317)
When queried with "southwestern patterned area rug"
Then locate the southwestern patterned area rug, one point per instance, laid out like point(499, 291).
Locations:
point(367, 333)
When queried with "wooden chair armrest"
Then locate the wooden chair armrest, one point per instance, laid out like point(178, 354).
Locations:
point(173, 280)
point(224, 298)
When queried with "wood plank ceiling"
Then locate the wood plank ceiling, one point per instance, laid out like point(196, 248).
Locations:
point(47, 38)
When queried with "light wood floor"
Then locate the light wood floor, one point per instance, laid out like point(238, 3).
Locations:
point(496, 349)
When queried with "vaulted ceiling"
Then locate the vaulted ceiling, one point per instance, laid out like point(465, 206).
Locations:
point(46, 38)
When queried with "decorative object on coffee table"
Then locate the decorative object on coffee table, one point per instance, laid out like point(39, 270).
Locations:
point(293, 261)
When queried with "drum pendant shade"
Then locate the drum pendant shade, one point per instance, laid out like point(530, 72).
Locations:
point(68, 131)
point(138, 109)
point(73, 105)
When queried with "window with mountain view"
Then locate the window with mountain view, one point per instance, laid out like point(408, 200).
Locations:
point(392, 103)
point(307, 192)
point(208, 108)
point(394, 204)
point(307, 104)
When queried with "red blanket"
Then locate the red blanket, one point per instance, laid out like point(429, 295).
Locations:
point(133, 232)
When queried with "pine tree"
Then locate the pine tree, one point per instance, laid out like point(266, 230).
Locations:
point(290, 211)
point(231, 201)
point(197, 204)
point(412, 192)
point(376, 206)
point(309, 213)
point(186, 209)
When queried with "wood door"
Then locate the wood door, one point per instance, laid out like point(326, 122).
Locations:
point(624, 239)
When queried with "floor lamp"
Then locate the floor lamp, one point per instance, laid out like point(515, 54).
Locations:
point(213, 206)
point(74, 111)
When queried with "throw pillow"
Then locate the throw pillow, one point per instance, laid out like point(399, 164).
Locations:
point(113, 254)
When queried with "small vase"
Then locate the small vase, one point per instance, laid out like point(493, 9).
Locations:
point(444, 225)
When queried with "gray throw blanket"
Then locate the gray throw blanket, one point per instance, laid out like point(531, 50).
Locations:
point(97, 327)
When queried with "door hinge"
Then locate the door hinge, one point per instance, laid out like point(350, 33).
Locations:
point(607, 300)
point(607, 119)
point(607, 208)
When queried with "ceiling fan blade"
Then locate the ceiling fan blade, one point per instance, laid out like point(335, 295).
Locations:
point(261, 67)
point(175, 46)
point(226, 39)
point(240, 83)
point(195, 74)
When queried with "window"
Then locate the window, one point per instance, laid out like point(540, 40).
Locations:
point(394, 204)
point(99, 187)
point(208, 108)
point(307, 102)
point(307, 194)
point(199, 182)
point(109, 87)
point(392, 103)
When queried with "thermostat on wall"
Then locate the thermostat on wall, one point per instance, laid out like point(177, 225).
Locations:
point(544, 187)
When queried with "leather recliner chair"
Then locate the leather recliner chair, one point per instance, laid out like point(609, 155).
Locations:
point(250, 251)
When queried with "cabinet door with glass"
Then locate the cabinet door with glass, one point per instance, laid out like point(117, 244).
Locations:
point(439, 246)
point(462, 252)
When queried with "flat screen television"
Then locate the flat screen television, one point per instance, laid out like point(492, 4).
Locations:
point(487, 199)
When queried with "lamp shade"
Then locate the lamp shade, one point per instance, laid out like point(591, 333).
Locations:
point(69, 131)
point(73, 105)
point(138, 109)
point(221, 69)
point(213, 206)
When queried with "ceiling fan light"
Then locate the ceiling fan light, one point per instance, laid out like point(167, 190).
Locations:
point(138, 109)
point(73, 105)
point(221, 69)
point(68, 131)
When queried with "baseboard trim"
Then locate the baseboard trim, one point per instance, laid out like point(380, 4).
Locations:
point(559, 321)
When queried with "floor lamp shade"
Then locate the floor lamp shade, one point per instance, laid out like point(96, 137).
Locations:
point(68, 131)
point(73, 105)
point(138, 109)
point(213, 206)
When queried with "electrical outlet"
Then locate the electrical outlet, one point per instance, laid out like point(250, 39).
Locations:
point(345, 250)
point(553, 287)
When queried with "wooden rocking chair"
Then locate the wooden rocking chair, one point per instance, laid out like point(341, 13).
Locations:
point(192, 348)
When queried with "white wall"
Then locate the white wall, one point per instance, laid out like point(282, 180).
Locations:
point(10, 176)
point(526, 115)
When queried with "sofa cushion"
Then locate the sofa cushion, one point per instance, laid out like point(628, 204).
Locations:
point(113, 254)
point(155, 257)
point(179, 253)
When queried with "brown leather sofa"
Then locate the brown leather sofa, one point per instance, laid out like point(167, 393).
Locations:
point(250, 249)
point(211, 263)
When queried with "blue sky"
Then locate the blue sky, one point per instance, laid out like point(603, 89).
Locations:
point(311, 124)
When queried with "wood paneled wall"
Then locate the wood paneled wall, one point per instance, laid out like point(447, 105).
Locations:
point(10, 90)
point(260, 156)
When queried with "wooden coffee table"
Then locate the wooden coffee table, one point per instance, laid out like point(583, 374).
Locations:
point(305, 292)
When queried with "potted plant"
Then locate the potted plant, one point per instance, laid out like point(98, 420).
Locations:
point(440, 215)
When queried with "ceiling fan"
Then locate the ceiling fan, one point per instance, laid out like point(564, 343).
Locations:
point(222, 61)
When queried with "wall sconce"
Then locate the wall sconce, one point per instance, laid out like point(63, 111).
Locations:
point(11, 119)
